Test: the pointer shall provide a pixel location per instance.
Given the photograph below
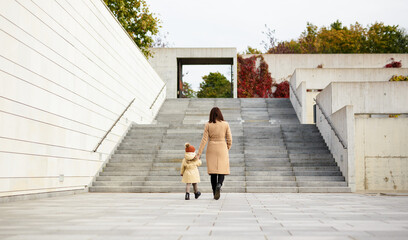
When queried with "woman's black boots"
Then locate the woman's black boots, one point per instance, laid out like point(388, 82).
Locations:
point(217, 193)
point(187, 196)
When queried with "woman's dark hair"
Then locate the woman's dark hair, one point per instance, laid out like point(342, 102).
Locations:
point(215, 115)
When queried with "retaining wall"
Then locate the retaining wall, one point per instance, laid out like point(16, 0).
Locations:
point(372, 121)
point(67, 71)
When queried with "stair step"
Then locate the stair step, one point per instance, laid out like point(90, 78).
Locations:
point(271, 184)
point(272, 189)
point(160, 189)
point(324, 190)
point(161, 183)
point(271, 151)
point(268, 168)
point(322, 184)
point(269, 173)
point(317, 173)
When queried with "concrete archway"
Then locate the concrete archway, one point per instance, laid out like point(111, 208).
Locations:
point(201, 61)
point(168, 63)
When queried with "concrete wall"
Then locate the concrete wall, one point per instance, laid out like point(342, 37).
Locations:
point(376, 144)
point(370, 97)
point(381, 154)
point(282, 66)
point(317, 79)
point(67, 71)
point(165, 63)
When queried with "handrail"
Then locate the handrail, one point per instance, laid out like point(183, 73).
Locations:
point(157, 96)
point(110, 129)
point(331, 125)
point(294, 91)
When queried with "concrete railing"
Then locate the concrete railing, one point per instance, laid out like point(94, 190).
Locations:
point(307, 83)
point(333, 128)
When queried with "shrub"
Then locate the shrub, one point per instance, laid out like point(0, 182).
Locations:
point(399, 78)
point(393, 64)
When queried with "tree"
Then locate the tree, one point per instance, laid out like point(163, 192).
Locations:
point(376, 38)
point(270, 41)
point(215, 85)
point(339, 39)
point(386, 39)
point(271, 44)
point(308, 39)
point(136, 19)
point(251, 50)
point(285, 47)
point(160, 41)
point(187, 91)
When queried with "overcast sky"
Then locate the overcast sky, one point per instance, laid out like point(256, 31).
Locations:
point(239, 23)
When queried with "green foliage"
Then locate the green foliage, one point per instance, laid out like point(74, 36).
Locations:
point(308, 39)
point(187, 91)
point(386, 39)
point(399, 78)
point(340, 39)
point(285, 47)
point(215, 85)
point(337, 25)
point(138, 22)
point(251, 50)
point(376, 38)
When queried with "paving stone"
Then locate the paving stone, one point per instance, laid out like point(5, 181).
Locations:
point(234, 216)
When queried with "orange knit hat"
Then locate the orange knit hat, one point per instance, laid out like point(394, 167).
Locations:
point(189, 147)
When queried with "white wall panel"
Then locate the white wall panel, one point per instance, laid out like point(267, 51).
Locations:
point(282, 66)
point(67, 71)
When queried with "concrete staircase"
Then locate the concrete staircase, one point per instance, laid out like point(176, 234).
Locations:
point(271, 151)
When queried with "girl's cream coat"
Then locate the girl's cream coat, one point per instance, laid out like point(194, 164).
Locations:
point(189, 168)
point(219, 140)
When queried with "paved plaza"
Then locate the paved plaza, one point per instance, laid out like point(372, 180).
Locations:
point(125, 216)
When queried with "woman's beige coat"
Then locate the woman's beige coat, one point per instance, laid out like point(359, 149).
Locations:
point(189, 168)
point(219, 140)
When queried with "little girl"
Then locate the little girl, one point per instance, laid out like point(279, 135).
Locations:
point(189, 171)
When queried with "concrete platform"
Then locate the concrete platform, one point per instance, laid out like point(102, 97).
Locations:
point(263, 216)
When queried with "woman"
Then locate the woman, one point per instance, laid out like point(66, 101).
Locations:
point(218, 134)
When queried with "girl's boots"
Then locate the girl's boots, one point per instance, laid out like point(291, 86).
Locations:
point(197, 195)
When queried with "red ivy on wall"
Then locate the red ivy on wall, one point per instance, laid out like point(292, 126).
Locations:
point(253, 81)
point(282, 90)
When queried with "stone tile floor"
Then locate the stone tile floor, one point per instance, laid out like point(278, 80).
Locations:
point(125, 216)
